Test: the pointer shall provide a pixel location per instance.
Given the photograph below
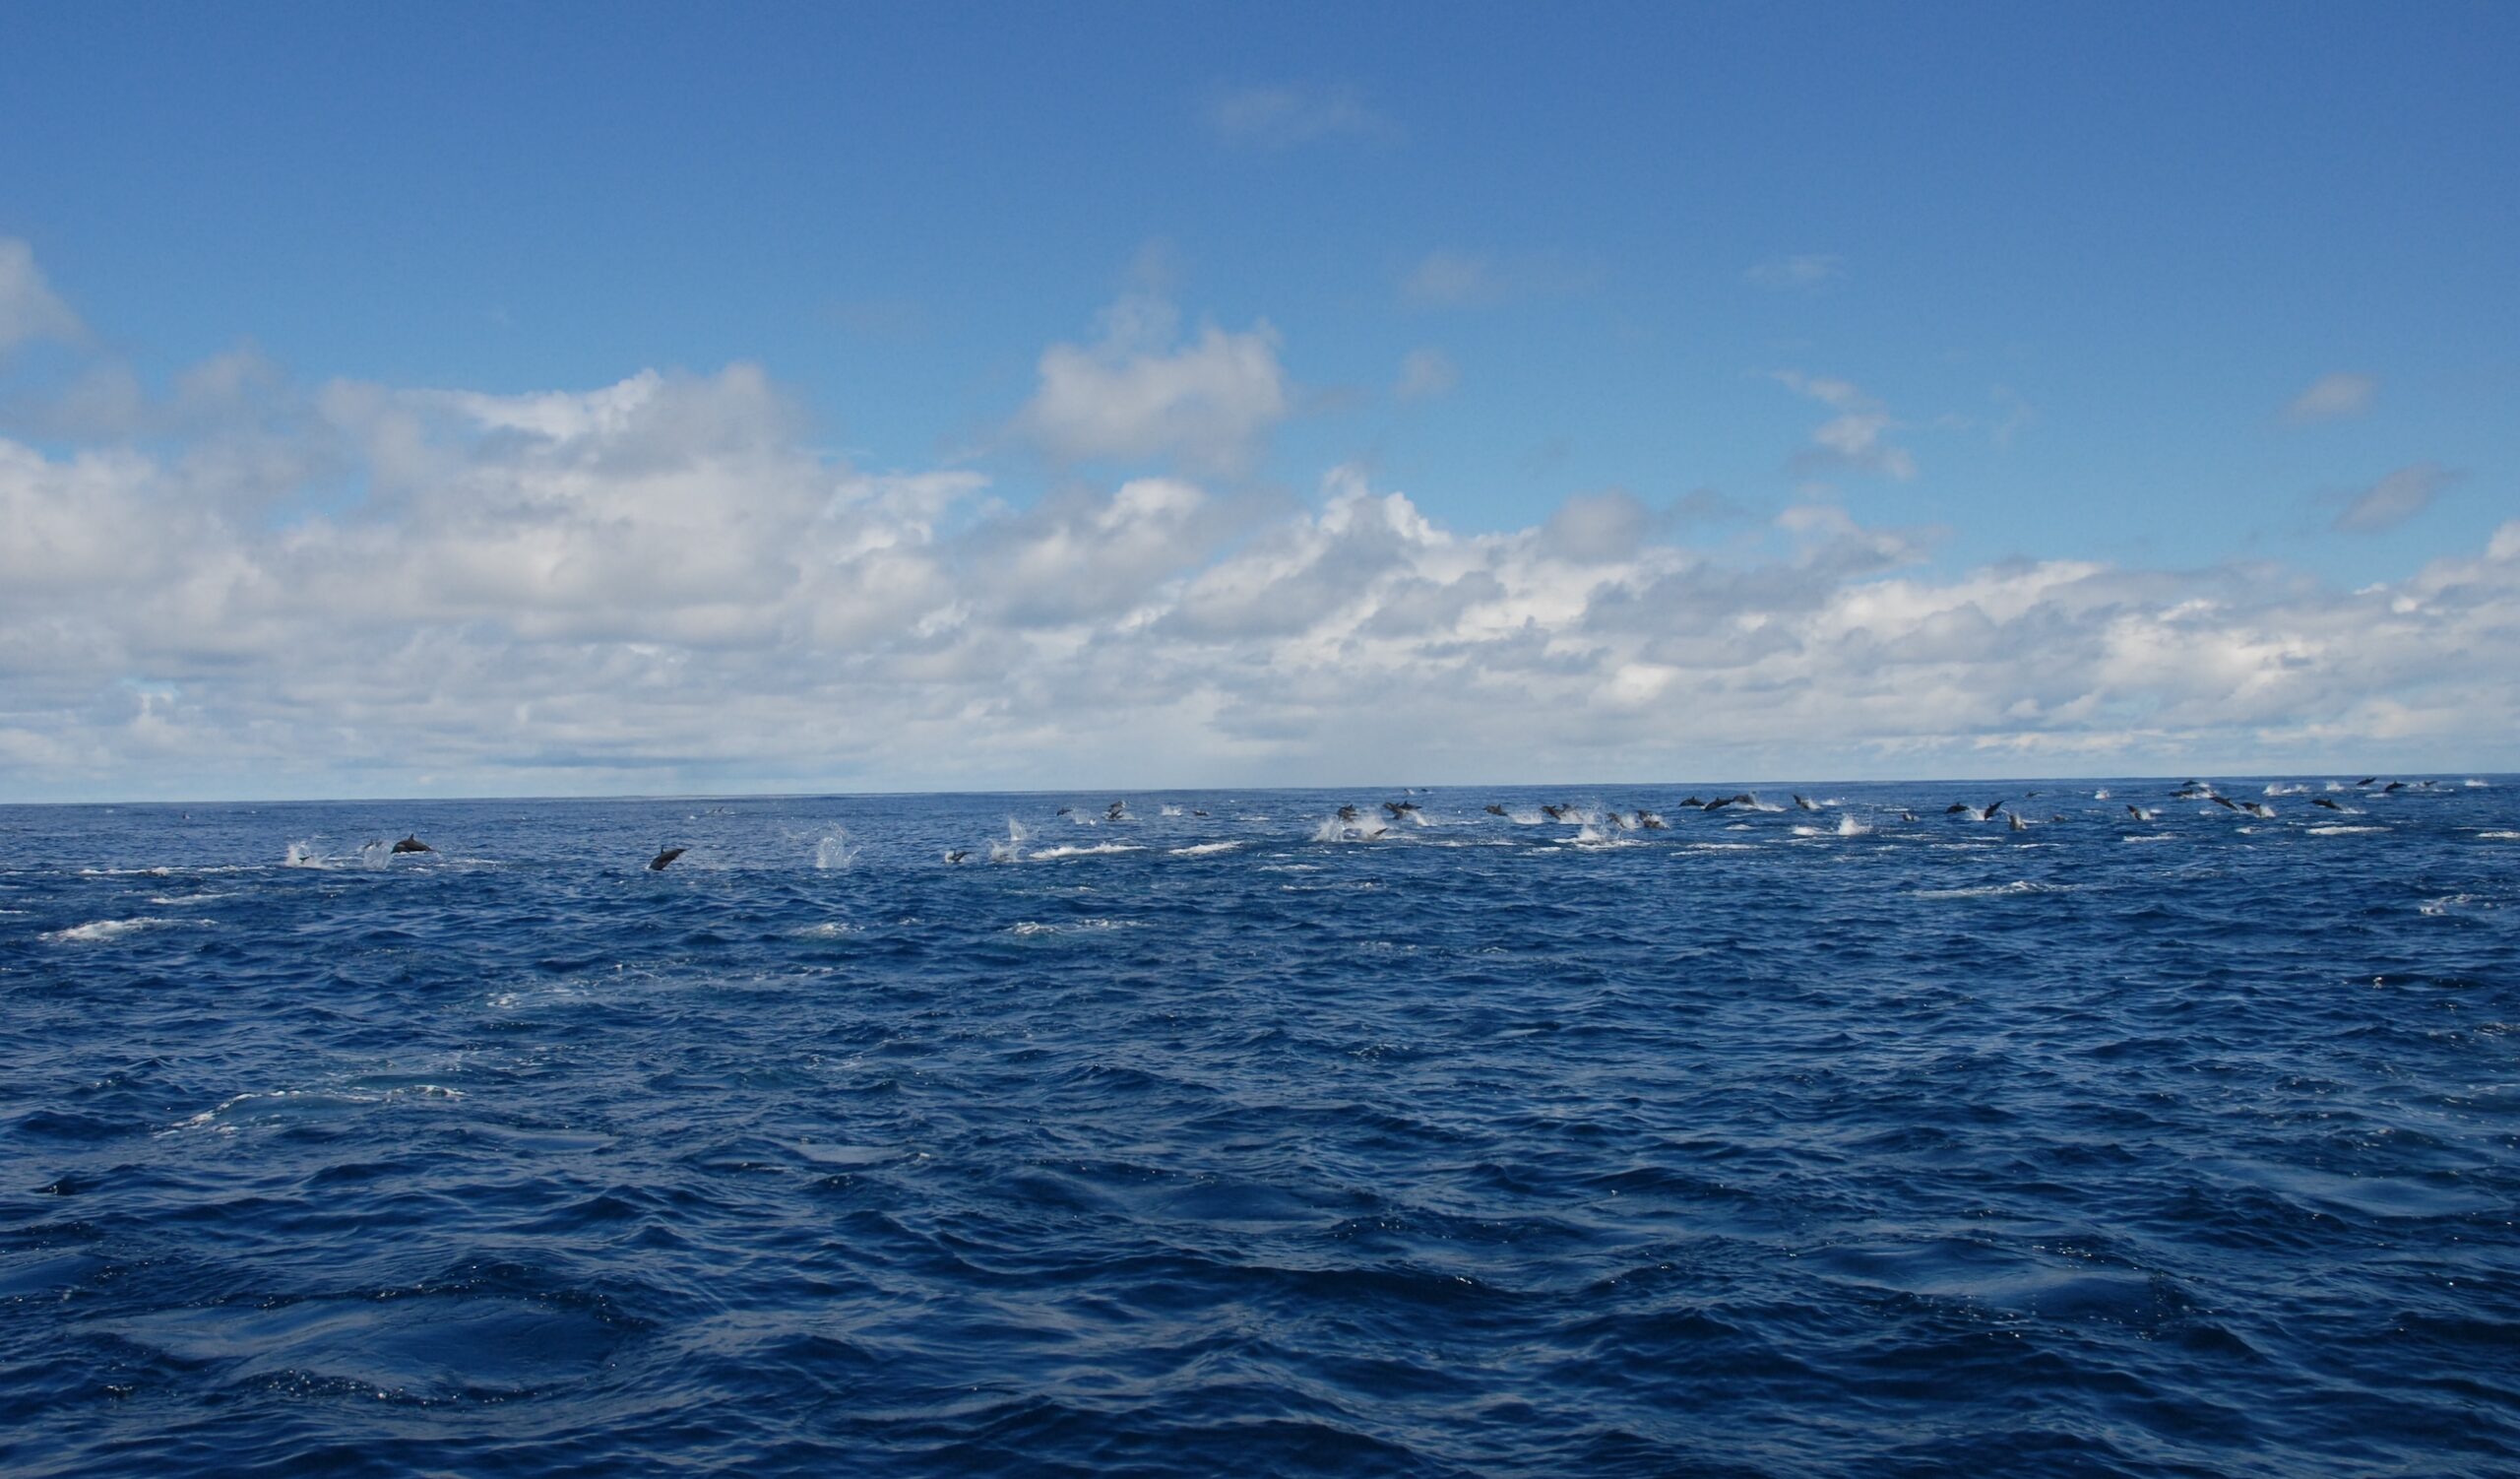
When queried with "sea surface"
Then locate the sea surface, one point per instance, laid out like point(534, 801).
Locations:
point(1227, 1137)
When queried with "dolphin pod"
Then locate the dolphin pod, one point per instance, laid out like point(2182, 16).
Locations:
point(1642, 820)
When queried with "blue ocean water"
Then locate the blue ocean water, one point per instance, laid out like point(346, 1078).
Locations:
point(1766, 1142)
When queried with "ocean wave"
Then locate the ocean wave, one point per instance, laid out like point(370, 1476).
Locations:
point(97, 930)
point(1995, 890)
point(1095, 850)
point(2342, 830)
point(1206, 849)
point(1732, 1098)
point(1028, 928)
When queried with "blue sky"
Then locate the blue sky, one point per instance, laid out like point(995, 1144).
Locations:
point(2161, 290)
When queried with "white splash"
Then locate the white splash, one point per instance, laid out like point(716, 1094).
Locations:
point(1012, 849)
point(1335, 829)
point(1994, 890)
point(835, 850)
point(1205, 849)
point(1047, 855)
point(96, 931)
point(2101, 794)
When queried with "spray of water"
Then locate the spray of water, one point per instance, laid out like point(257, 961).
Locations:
point(835, 850)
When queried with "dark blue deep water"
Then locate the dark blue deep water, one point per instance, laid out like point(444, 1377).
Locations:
point(1773, 1142)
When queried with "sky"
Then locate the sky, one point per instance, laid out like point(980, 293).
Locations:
point(572, 398)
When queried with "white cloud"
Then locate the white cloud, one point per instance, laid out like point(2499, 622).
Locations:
point(1426, 374)
point(2394, 499)
point(1804, 272)
point(1281, 117)
point(661, 585)
point(1852, 439)
point(28, 309)
point(1137, 393)
point(2332, 398)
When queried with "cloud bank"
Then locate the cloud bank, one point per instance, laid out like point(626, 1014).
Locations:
point(661, 585)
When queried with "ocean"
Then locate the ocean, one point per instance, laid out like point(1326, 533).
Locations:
point(1228, 1136)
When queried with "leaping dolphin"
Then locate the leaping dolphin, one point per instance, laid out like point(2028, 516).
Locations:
point(657, 864)
point(413, 844)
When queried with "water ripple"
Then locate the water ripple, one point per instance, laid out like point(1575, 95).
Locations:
point(1237, 1135)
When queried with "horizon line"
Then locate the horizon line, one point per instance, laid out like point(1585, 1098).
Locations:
point(792, 796)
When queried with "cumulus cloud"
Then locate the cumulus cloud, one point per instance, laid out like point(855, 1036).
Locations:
point(1426, 374)
point(1804, 272)
point(1281, 117)
point(2333, 398)
point(1852, 439)
point(662, 584)
point(29, 308)
point(1138, 392)
point(2394, 499)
